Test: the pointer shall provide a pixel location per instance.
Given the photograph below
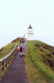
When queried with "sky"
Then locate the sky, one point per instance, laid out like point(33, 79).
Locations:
point(16, 15)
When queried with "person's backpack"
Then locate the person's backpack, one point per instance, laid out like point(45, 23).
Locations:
point(20, 49)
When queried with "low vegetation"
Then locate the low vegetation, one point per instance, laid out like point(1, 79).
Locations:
point(6, 49)
point(40, 62)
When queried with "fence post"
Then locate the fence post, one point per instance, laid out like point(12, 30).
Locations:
point(0, 66)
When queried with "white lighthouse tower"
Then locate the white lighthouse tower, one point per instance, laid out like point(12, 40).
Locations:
point(29, 32)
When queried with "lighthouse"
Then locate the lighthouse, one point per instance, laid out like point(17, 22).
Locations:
point(29, 32)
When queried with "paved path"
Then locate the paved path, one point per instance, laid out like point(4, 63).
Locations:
point(16, 72)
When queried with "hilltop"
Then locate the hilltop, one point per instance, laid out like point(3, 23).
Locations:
point(39, 61)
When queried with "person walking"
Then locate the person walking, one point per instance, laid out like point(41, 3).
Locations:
point(22, 47)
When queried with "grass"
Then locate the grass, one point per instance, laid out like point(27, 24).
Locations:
point(43, 73)
point(32, 72)
point(5, 50)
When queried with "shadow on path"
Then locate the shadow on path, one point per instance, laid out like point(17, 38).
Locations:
point(16, 72)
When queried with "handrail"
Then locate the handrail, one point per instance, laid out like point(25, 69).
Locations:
point(6, 61)
point(8, 55)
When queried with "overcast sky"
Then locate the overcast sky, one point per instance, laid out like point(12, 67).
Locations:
point(16, 15)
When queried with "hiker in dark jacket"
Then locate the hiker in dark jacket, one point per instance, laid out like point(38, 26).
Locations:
point(22, 48)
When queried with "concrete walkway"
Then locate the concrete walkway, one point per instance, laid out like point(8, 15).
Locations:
point(16, 72)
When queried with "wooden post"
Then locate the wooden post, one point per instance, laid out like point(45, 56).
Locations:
point(0, 66)
point(5, 64)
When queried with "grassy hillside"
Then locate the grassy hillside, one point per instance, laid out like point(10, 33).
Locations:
point(40, 62)
point(5, 50)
